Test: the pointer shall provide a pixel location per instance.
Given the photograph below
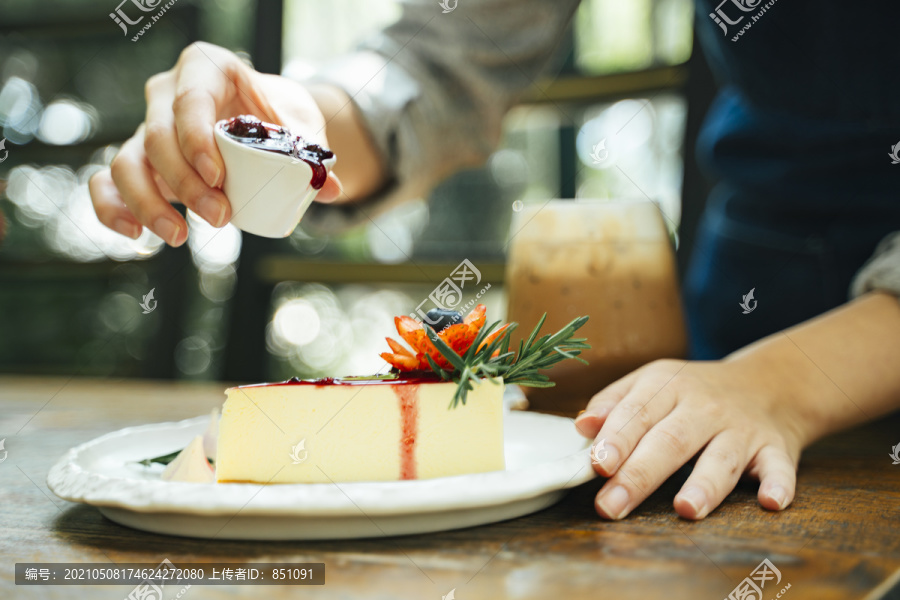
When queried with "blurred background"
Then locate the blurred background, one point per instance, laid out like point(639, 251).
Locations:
point(239, 307)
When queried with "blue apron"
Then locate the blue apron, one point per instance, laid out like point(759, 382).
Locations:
point(799, 140)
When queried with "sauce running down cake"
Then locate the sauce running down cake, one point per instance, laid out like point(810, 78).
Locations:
point(333, 430)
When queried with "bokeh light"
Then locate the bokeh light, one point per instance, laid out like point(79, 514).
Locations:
point(56, 200)
point(640, 156)
point(66, 122)
point(119, 312)
point(625, 126)
point(390, 236)
point(320, 331)
point(212, 248)
point(297, 322)
point(193, 354)
point(20, 105)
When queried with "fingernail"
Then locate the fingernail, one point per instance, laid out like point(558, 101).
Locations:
point(208, 170)
point(611, 461)
point(778, 494)
point(614, 503)
point(127, 228)
point(581, 424)
point(696, 498)
point(168, 230)
point(585, 415)
point(212, 209)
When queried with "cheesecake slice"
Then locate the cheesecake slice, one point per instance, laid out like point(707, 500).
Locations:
point(333, 430)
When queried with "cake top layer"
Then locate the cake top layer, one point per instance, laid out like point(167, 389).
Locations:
point(465, 351)
point(388, 379)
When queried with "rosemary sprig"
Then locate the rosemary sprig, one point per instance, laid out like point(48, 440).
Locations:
point(521, 368)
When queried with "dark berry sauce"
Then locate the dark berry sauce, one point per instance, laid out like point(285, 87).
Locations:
point(272, 138)
point(413, 378)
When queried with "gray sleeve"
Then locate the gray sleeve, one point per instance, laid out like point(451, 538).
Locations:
point(882, 271)
point(433, 89)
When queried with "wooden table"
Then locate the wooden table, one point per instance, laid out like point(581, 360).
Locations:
point(840, 539)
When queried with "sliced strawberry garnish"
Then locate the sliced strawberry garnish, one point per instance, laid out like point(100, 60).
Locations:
point(412, 332)
point(493, 336)
point(438, 358)
point(477, 317)
point(397, 347)
point(402, 362)
point(459, 337)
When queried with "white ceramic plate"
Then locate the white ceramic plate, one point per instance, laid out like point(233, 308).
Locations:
point(544, 457)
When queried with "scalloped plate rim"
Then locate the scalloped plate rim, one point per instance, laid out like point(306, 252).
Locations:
point(68, 473)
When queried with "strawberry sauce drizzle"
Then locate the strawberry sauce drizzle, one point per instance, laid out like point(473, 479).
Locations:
point(411, 379)
point(408, 395)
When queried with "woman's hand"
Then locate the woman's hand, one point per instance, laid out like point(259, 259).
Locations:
point(656, 419)
point(173, 155)
point(752, 412)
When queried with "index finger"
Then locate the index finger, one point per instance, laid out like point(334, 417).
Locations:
point(202, 88)
point(591, 419)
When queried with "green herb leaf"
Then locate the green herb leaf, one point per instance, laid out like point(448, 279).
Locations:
point(521, 368)
point(165, 459)
point(448, 352)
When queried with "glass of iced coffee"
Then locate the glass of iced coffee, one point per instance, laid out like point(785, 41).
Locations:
point(612, 261)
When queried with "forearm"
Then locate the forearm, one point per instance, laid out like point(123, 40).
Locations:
point(836, 370)
point(359, 166)
point(430, 93)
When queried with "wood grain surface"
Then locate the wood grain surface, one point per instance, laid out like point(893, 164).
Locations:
point(840, 539)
